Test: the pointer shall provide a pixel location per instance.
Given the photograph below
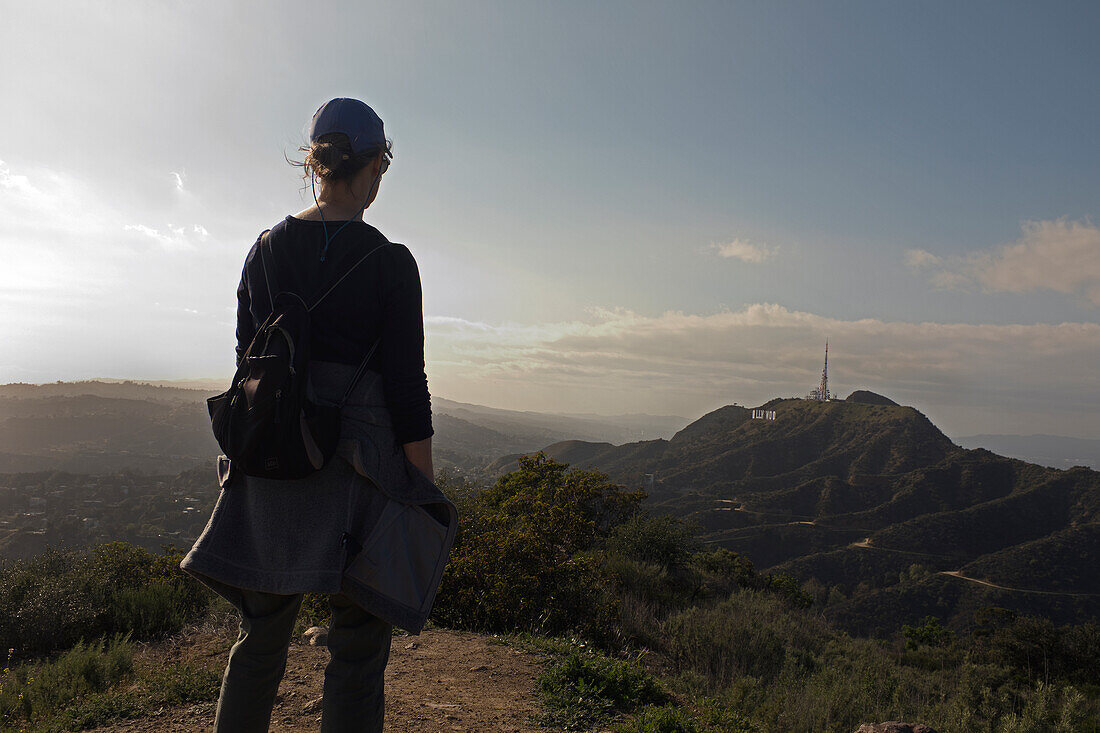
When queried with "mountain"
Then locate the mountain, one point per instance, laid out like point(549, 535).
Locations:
point(87, 433)
point(103, 426)
point(162, 392)
point(613, 428)
point(1056, 451)
point(871, 500)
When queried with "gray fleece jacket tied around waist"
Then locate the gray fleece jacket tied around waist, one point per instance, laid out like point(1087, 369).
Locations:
point(369, 524)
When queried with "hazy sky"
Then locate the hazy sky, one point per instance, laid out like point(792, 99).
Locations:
point(616, 206)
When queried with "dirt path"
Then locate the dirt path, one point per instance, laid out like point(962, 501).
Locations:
point(958, 574)
point(865, 543)
point(438, 682)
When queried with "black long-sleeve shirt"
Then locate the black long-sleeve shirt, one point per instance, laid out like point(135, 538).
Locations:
point(380, 298)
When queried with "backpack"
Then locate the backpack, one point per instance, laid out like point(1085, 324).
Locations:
point(268, 422)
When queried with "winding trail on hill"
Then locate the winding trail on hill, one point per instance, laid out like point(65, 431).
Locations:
point(438, 682)
point(959, 574)
point(865, 544)
point(730, 535)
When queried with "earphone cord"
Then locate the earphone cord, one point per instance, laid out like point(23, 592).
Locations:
point(324, 226)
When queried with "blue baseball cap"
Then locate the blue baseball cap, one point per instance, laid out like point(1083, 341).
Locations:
point(353, 118)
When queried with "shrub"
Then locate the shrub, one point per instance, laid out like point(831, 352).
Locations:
point(930, 632)
point(663, 540)
point(582, 691)
point(523, 562)
point(788, 587)
point(665, 719)
point(1048, 708)
point(724, 571)
point(751, 634)
point(34, 690)
point(51, 601)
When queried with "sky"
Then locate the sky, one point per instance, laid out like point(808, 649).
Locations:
point(616, 207)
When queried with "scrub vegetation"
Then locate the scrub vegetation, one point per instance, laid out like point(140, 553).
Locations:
point(70, 625)
point(650, 630)
point(703, 642)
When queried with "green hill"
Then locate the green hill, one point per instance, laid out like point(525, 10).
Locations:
point(852, 495)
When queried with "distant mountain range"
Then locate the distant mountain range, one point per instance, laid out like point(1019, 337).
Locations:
point(1056, 451)
point(103, 426)
point(864, 499)
point(870, 500)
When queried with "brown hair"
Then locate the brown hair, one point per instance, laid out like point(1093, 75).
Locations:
point(331, 158)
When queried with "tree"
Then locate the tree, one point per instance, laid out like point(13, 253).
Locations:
point(521, 562)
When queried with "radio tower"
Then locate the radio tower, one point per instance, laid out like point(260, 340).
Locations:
point(821, 394)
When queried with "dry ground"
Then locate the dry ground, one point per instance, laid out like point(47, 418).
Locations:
point(438, 682)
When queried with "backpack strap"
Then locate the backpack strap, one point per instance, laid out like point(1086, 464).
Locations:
point(359, 372)
point(266, 239)
point(363, 364)
point(346, 273)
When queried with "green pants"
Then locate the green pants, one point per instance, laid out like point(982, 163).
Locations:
point(359, 644)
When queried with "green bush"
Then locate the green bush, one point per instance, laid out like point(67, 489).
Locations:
point(723, 718)
point(788, 587)
point(930, 632)
point(1049, 709)
point(751, 634)
point(663, 540)
point(524, 562)
point(35, 690)
point(665, 719)
point(723, 571)
point(583, 691)
point(51, 601)
point(95, 684)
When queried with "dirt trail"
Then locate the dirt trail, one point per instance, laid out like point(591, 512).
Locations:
point(865, 543)
point(958, 574)
point(438, 682)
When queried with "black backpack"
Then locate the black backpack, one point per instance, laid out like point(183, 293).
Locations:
point(268, 422)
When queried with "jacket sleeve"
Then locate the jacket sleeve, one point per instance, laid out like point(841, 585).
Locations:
point(246, 327)
point(404, 381)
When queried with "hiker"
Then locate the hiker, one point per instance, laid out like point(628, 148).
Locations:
point(270, 541)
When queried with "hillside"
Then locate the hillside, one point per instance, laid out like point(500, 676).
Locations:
point(871, 501)
point(101, 427)
point(641, 629)
point(166, 431)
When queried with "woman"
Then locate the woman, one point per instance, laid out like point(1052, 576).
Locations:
point(267, 541)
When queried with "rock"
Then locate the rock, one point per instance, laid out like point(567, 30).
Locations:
point(892, 726)
point(315, 636)
point(412, 645)
point(312, 706)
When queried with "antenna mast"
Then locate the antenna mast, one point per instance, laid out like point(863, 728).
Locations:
point(821, 394)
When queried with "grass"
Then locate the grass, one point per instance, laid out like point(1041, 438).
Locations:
point(584, 690)
point(96, 683)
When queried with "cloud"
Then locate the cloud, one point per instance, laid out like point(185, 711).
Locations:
point(172, 237)
point(15, 183)
point(1057, 255)
point(918, 259)
point(82, 264)
point(744, 250)
point(618, 360)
